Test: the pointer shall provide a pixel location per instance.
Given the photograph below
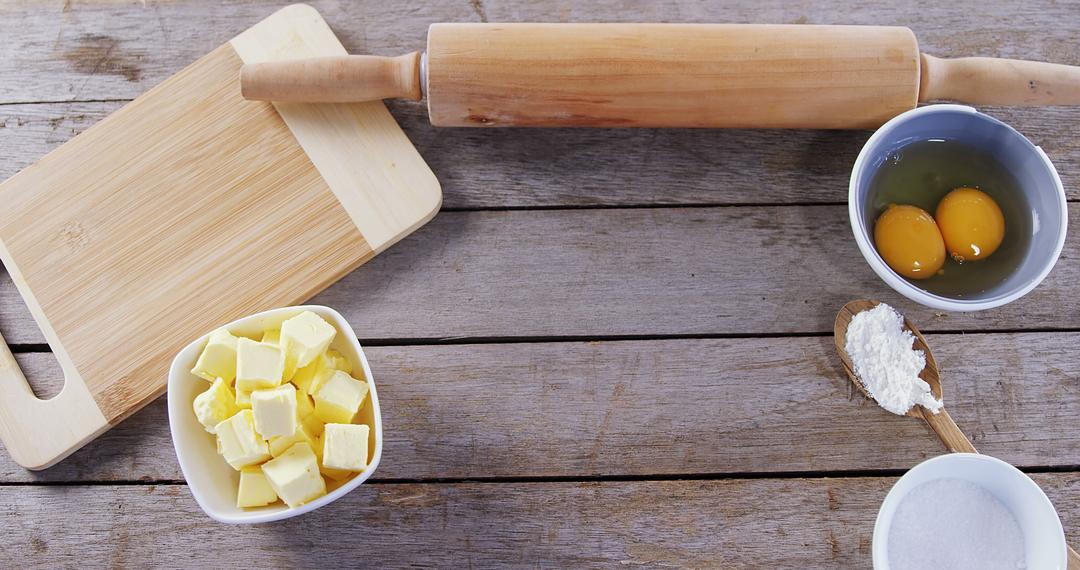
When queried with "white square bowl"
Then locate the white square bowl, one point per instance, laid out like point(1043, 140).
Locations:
point(211, 480)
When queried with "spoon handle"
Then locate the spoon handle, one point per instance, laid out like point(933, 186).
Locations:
point(1074, 559)
point(946, 429)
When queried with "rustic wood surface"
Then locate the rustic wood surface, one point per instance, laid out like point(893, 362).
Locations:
point(612, 349)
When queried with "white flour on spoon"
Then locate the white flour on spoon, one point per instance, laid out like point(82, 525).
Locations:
point(881, 351)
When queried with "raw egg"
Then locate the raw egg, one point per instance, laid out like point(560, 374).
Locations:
point(971, 224)
point(909, 241)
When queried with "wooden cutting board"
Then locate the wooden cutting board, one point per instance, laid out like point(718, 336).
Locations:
point(186, 209)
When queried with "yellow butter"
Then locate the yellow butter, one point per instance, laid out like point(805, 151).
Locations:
point(345, 446)
point(281, 444)
point(323, 374)
point(338, 361)
point(305, 406)
point(304, 338)
point(258, 365)
point(255, 489)
point(239, 442)
point(294, 475)
point(304, 376)
point(339, 397)
point(313, 425)
point(275, 411)
point(271, 336)
point(215, 405)
point(243, 399)
point(218, 358)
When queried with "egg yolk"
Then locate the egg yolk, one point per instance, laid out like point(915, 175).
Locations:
point(971, 224)
point(909, 241)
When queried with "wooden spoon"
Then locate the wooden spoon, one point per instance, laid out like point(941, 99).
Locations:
point(942, 424)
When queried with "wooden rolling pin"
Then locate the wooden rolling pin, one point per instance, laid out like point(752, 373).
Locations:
point(665, 75)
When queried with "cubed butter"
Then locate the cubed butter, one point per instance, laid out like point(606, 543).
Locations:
point(215, 405)
point(258, 365)
point(304, 376)
point(243, 399)
point(304, 338)
point(305, 406)
point(338, 361)
point(218, 358)
point(345, 446)
point(281, 444)
point(275, 411)
point(313, 425)
point(294, 475)
point(255, 490)
point(239, 442)
point(271, 336)
point(339, 398)
point(323, 374)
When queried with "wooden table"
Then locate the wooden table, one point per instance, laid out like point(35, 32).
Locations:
point(611, 348)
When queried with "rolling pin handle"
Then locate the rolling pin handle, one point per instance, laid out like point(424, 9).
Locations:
point(335, 79)
point(992, 81)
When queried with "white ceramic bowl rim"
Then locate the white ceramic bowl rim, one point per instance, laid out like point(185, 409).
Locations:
point(901, 285)
point(188, 466)
point(879, 539)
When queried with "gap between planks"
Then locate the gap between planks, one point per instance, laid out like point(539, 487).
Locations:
point(661, 477)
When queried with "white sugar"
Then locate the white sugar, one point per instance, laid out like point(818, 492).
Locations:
point(881, 352)
point(952, 523)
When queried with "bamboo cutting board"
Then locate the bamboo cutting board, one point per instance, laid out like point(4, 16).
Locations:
point(186, 209)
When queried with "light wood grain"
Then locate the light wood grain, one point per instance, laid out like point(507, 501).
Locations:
point(656, 407)
point(188, 208)
point(989, 81)
point(669, 75)
point(334, 79)
point(791, 523)
point(597, 273)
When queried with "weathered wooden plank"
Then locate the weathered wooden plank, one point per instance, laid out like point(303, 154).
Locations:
point(500, 168)
point(770, 523)
point(658, 407)
point(674, 271)
point(95, 50)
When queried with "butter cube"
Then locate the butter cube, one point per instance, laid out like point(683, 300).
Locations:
point(215, 405)
point(294, 475)
point(281, 444)
point(255, 490)
point(258, 365)
point(304, 338)
point(309, 377)
point(304, 376)
point(313, 425)
point(335, 474)
point(322, 376)
point(218, 358)
point(339, 398)
point(275, 411)
point(271, 336)
point(243, 399)
point(345, 446)
point(305, 406)
point(338, 361)
point(239, 442)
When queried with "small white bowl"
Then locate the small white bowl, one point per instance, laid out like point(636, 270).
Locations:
point(211, 480)
point(1044, 539)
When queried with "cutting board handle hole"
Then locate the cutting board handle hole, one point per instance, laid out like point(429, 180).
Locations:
point(42, 372)
point(38, 363)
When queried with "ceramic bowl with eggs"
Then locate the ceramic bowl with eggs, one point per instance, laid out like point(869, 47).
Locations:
point(956, 210)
